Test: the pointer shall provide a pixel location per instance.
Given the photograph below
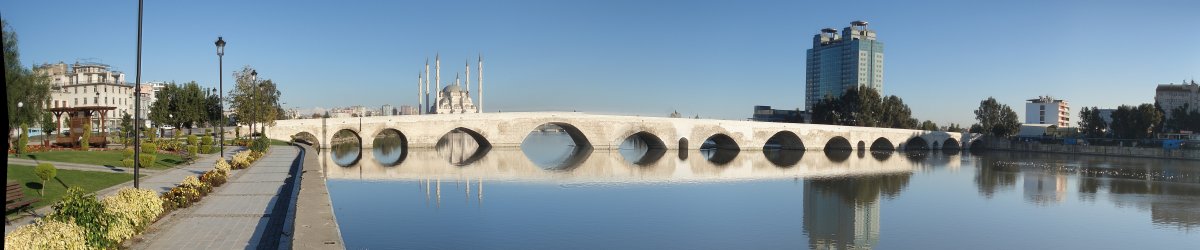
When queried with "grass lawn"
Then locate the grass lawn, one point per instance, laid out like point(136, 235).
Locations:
point(90, 181)
point(105, 158)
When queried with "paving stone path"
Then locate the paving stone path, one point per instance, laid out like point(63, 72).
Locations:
point(249, 211)
point(157, 180)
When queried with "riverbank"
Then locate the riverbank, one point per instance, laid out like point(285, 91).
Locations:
point(315, 225)
point(1158, 153)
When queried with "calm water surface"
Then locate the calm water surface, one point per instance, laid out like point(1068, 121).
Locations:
point(551, 194)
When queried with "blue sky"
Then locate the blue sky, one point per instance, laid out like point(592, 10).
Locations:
point(712, 58)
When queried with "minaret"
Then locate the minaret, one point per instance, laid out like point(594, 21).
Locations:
point(437, 68)
point(456, 83)
point(420, 88)
point(479, 84)
point(426, 107)
point(468, 86)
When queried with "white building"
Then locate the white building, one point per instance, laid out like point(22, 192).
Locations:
point(1047, 110)
point(453, 99)
point(88, 85)
point(1172, 96)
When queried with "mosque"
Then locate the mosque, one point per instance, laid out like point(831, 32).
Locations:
point(453, 99)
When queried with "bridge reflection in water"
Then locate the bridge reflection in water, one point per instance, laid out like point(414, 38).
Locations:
point(841, 188)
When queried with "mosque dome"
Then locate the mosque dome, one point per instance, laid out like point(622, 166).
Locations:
point(452, 89)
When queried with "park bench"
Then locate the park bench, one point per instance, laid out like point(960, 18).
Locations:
point(14, 198)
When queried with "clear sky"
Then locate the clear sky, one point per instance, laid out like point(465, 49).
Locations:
point(712, 58)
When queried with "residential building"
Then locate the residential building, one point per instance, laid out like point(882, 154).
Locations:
point(767, 114)
point(88, 85)
point(387, 110)
point(1171, 96)
point(407, 110)
point(837, 62)
point(1047, 110)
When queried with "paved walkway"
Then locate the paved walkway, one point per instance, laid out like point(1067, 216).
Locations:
point(249, 211)
point(159, 180)
point(86, 167)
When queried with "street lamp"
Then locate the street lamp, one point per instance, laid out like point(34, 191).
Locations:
point(220, 68)
point(19, 105)
point(254, 82)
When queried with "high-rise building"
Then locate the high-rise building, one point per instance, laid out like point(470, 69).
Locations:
point(838, 62)
point(1172, 96)
point(1047, 110)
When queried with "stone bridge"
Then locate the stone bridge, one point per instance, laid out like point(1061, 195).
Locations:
point(609, 131)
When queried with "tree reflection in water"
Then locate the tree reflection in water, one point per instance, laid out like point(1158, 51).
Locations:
point(347, 148)
point(389, 147)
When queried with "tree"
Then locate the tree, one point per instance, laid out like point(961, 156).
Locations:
point(86, 139)
point(126, 129)
point(953, 128)
point(863, 106)
point(45, 171)
point(996, 119)
point(928, 125)
point(1184, 118)
point(1091, 122)
point(21, 85)
point(48, 127)
point(976, 128)
point(1140, 122)
point(256, 101)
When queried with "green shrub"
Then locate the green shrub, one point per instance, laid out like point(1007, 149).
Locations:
point(192, 150)
point(147, 160)
point(206, 140)
point(134, 210)
point(261, 144)
point(207, 149)
point(181, 196)
point(214, 178)
point(127, 153)
point(149, 148)
point(45, 172)
point(84, 210)
point(127, 162)
point(85, 141)
point(46, 234)
point(23, 141)
point(150, 134)
point(193, 140)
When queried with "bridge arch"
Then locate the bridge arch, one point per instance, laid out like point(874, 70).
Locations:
point(306, 137)
point(951, 144)
point(654, 147)
point(385, 142)
point(916, 143)
point(882, 144)
point(785, 140)
point(346, 147)
point(577, 136)
point(459, 154)
point(720, 141)
point(838, 143)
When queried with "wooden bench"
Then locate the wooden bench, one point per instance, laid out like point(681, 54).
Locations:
point(14, 198)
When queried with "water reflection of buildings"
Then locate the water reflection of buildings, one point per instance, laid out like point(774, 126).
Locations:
point(1168, 189)
point(843, 213)
point(433, 190)
point(1043, 187)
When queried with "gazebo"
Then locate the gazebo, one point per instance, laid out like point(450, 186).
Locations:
point(76, 116)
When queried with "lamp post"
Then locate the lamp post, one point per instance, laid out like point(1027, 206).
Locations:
point(254, 82)
point(221, 97)
point(19, 129)
point(137, 101)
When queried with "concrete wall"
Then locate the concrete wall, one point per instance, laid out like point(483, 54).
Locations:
point(607, 131)
point(1094, 150)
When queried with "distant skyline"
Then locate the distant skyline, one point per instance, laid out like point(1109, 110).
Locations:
point(713, 58)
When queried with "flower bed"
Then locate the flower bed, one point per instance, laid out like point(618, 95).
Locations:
point(80, 221)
